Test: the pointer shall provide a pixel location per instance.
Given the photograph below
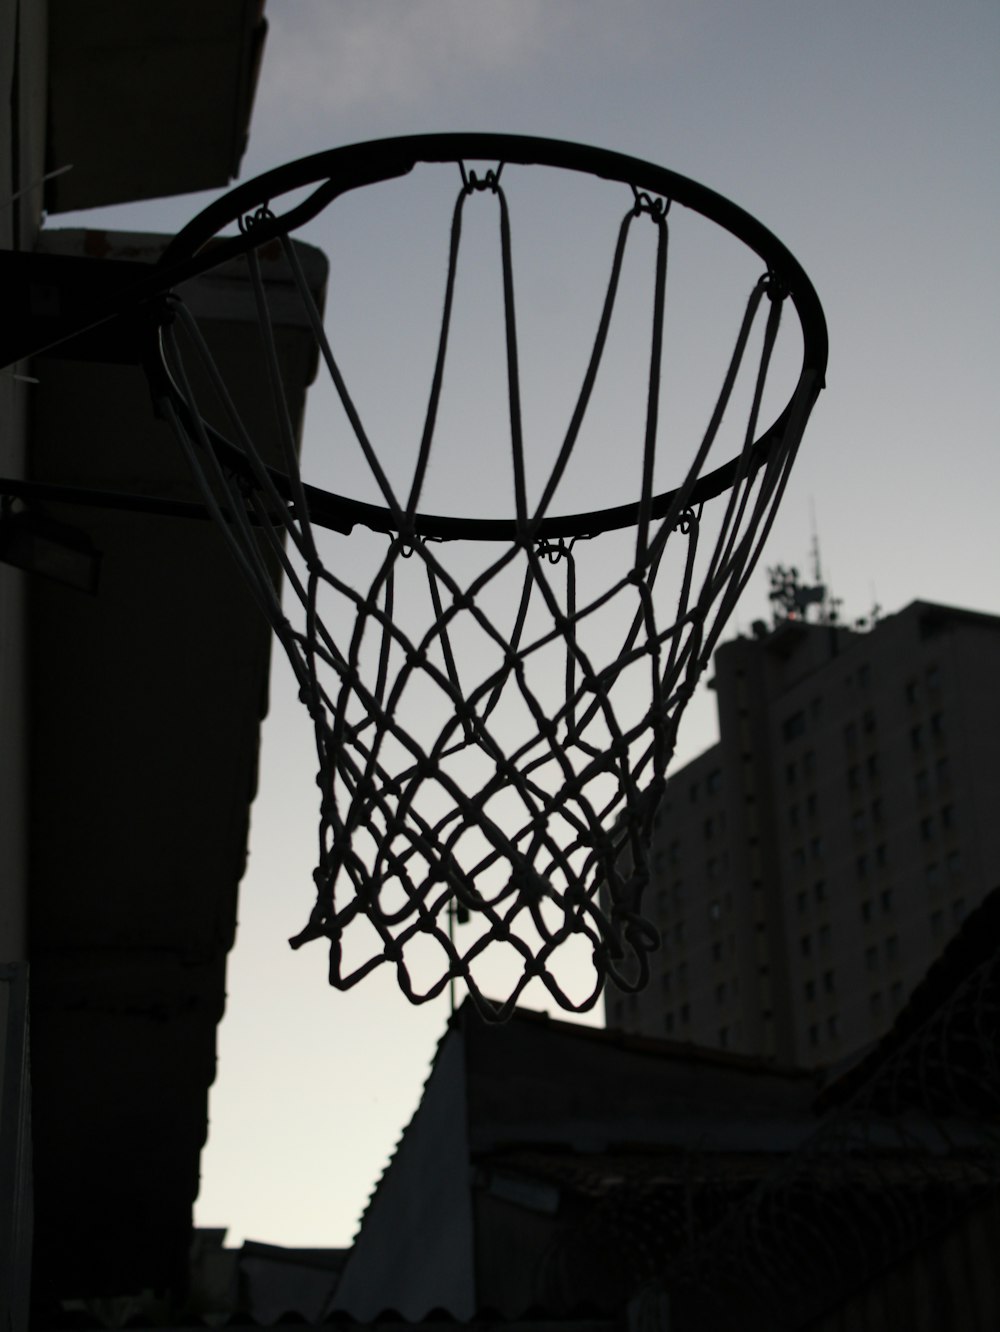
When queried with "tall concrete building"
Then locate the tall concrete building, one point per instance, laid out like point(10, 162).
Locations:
point(810, 866)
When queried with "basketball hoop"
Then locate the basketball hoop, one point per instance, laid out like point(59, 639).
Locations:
point(495, 698)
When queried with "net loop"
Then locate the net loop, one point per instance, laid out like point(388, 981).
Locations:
point(655, 206)
point(471, 182)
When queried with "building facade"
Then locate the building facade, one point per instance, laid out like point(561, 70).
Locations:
point(810, 866)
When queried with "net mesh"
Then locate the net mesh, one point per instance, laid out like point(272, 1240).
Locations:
point(494, 711)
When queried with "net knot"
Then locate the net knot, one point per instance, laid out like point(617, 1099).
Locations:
point(529, 886)
point(548, 727)
point(393, 951)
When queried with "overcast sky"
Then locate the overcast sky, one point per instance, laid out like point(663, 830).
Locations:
point(864, 135)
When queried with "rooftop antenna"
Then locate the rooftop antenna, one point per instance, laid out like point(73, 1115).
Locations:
point(814, 544)
point(830, 605)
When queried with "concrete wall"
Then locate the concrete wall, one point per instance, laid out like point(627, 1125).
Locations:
point(22, 154)
point(146, 706)
point(22, 137)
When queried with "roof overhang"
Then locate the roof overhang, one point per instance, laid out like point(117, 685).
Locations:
point(148, 100)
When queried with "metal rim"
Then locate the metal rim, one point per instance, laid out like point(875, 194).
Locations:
point(198, 248)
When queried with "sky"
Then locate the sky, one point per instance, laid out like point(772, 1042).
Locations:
point(864, 136)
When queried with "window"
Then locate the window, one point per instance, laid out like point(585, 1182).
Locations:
point(666, 980)
point(674, 851)
point(682, 974)
point(933, 679)
point(866, 911)
point(814, 1035)
point(723, 1038)
point(850, 735)
point(858, 821)
point(927, 828)
point(916, 739)
point(810, 989)
point(881, 856)
point(896, 994)
point(685, 1013)
point(713, 782)
point(871, 958)
point(958, 910)
point(819, 890)
point(933, 874)
point(937, 725)
point(891, 948)
point(875, 1003)
point(790, 774)
point(709, 829)
point(811, 804)
point(799, 857)
point(824, 937)
point(886, 900)
point(911, 691)
point(720, 992)
point(793, 816)
point(829, 982)
point(809, 763)
point(800, 901)
point(715, 911)
point(948, 816)
point(876, 811)
point(717, 951)
point(872, 765)
point(954, 862)
point(864, 675)
point(868, 721)
point(679, 932)
point(794, 726)
point(923, 785)
point(941, 772)
point(712, 869)
point(833, 1026)
point(816, 848)
point(805, 945)
point(861, 864)
point(937, 923)
point(693, 793)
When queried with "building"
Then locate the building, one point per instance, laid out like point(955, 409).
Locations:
point(551, 1169)
point(810, 866)
point(133, 663)
point(559, 1176)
